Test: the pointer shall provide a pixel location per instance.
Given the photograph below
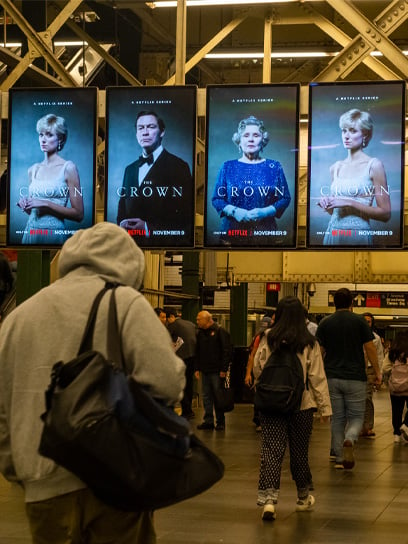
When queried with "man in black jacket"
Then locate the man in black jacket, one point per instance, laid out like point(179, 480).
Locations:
point(157, 192)
point(213, 355)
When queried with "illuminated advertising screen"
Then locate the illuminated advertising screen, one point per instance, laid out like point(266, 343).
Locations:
point(356, 165)
point(251, 168)
point(51, 164)
point(150, 192)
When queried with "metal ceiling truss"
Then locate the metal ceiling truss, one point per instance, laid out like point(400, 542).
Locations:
point(372, 36)
point(39, 43)
point(84, 36)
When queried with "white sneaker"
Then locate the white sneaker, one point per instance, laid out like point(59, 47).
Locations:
point(269, 513)
point(397, 439)
point(404, 431)
point(303, 505)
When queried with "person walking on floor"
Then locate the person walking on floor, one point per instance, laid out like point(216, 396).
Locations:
point(186, 330)
point(293, 429)
point(213, 356)
point(266, 323)
point(395, 366)
point(47, 328)
point(344, 337)
point(368, 425)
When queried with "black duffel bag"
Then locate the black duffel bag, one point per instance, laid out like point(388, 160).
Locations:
point(132, 451)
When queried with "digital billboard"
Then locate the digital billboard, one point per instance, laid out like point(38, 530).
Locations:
point(251, 166)
point(150, 163)
point(356, 164)
point(51, 164)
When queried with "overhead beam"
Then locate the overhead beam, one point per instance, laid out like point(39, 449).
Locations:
point(267, 60)
point(39, 43)
point(181, 42)
point(121, 70)
point(371, 34)
point(352, 53)
point(209, 46)
point(11, 60)
point(160, 33)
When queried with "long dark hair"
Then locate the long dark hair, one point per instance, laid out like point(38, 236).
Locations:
point(399, 347)
point(290, 326)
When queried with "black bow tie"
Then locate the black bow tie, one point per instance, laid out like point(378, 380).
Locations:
point(148, 159)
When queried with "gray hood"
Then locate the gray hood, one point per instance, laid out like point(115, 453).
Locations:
point(105, 250)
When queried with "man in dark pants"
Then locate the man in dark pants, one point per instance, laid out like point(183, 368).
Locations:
point(186, 330)
point(213, 355)
point(157, 192)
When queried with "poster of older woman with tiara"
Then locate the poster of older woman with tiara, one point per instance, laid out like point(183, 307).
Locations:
point(356, 164)
point(251, 169)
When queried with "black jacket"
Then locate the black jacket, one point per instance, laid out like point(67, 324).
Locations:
point(213, 350)
point(165, 199)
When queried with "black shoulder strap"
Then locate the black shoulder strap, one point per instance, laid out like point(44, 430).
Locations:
point(114, 351)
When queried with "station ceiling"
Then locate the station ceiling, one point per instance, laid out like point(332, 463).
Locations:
point(142, 43)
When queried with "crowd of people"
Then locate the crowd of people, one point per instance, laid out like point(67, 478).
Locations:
point(342, 360)
point(344, 363)
point(340, 364)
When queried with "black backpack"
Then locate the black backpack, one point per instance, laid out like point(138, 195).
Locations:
point(280, 386)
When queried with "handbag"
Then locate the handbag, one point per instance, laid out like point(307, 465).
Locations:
point(227, 396)
point(398, 380)
point(132, 451)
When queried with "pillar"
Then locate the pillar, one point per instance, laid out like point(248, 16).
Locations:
point(33, 273)
point(191, 284)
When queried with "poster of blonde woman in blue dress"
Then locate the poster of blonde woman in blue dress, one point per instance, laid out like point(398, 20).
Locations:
point(51, 166)
point(251, 169)
point(356, 164)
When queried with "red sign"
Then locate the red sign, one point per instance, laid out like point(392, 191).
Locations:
point(373, 300)
point(273, 286)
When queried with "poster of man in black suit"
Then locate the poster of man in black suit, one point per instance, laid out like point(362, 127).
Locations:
point(155, 198)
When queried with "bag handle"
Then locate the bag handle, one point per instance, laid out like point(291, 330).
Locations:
point(114, 347)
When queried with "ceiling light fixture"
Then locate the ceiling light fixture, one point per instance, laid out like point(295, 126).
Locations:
point(282, 55)
point(275, 55)
point(70, 44)
point(191, 3)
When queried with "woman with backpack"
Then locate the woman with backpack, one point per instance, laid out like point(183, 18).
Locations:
point(250, 375)
point(396, 367)
point(291, 344)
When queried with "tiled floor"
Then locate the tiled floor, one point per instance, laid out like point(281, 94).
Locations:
point(368, 505)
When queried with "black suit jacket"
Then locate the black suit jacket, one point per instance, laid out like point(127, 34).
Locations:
point(164, 200)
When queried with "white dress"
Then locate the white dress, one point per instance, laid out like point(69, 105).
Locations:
point(43, 228)
point(347, 219)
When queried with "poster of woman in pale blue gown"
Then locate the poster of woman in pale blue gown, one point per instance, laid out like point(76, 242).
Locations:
point(52, 184)
point(356, 165)
point(51, 164)
point(359, 190)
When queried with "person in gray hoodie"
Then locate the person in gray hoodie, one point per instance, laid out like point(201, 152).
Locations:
point(48, 327)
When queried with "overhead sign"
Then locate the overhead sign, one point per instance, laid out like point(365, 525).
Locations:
point(373, 299)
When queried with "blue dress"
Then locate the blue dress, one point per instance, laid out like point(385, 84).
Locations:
point(44, 228)
point(346, 225)
point(249, 186)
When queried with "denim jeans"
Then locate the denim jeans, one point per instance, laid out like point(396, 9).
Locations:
point(348, 399)
point(211, 385)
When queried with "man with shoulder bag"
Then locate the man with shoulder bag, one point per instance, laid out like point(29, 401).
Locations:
point(47, 328)
point(213, 356)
